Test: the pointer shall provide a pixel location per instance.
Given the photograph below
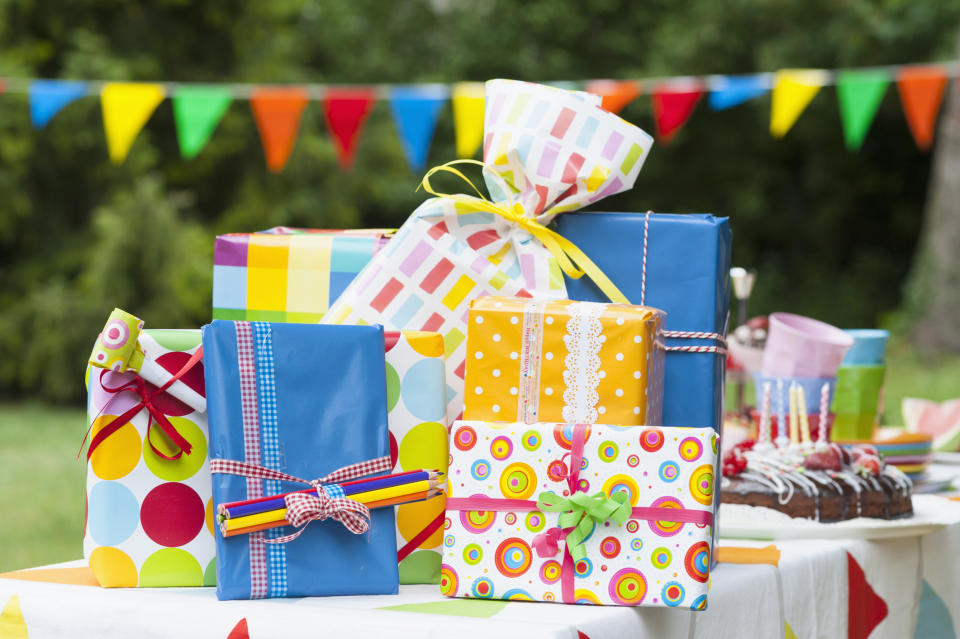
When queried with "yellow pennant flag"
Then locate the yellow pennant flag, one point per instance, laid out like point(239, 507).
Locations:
point(12, 625)
point(126, 108)
point(792, 91)
point(467, 100)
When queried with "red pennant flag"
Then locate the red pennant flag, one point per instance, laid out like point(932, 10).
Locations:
point(865, 608)
point(346, 110)
point(277, 112)
point(616, 94)
point(921, 92)
point(673, 104)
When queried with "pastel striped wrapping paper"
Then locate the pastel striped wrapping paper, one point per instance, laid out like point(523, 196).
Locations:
point(286, 274)
point(554, 151)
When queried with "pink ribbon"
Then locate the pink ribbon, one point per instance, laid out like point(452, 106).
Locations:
point(547, 543)
point(313, 505)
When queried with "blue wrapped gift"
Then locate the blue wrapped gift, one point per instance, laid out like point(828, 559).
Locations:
point(306, 400)
point(688, 261)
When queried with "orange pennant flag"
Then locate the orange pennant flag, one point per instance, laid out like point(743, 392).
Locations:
point(921, 92)
point(277, 112)
point(616, 94)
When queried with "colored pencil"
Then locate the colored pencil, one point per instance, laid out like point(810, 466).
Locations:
point(263, 504)
point(381, 494)
point(232, 532)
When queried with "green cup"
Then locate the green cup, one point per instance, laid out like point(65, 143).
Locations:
point(856, 401)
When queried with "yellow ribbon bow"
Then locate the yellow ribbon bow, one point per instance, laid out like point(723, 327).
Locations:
point(570, 258)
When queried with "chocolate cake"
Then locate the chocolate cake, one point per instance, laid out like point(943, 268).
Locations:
point(826, 483)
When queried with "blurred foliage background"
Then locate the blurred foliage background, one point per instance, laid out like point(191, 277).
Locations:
point(832, 233)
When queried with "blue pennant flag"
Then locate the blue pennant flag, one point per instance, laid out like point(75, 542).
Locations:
point(47, 97)
point(415, 112)
point(730, 91)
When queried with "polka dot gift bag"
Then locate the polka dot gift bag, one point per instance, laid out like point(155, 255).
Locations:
point(149, 510)
point(580, 513)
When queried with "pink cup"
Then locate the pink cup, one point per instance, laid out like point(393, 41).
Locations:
point(799, 346)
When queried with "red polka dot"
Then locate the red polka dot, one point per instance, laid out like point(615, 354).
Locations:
point(193, 378)
point(172, 514)
point(390, 339)
point(394, 451)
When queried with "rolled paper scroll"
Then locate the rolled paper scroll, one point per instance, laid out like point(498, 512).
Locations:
point(122, 346)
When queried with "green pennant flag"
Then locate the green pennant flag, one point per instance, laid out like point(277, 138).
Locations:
point(197, 111)
point(859, 94)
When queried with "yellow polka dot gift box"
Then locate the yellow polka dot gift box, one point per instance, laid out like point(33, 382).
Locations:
point(561, 360)
point(580, 513)
point(149, 504)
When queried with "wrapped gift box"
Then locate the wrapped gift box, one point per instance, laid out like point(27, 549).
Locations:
point(418, 440)
point(509, 480)
point(547, 151)
point(684, 273)
point(285, 274)
point(149, 519)
point(304, 400)
point(578, 362)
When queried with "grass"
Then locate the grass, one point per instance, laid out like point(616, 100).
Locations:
point(42, 483)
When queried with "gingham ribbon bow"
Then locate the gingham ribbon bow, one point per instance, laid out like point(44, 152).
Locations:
point(328, 502)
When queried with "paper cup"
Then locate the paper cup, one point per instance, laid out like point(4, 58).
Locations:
point(854, 428)
point(869, 346)
point(799, 346)
point(811, 390)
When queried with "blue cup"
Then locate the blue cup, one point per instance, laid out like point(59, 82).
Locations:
point(811, 390)
point(869, 346)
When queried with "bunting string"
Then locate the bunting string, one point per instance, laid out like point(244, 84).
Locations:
point(415, 108)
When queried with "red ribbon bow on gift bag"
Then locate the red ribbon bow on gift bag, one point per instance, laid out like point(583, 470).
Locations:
point(325, 501)
point(147, 397)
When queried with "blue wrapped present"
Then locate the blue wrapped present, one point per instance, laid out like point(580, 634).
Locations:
point(687, 266)
point(306, 400)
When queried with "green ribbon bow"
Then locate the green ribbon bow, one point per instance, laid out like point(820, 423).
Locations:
point(581, 511)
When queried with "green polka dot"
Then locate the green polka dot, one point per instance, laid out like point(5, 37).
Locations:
point(424, 447)
point(175, 340)
point(420, 567)
point(210, 574)
point(175, 469)
point(170, 567)
point(393, 387)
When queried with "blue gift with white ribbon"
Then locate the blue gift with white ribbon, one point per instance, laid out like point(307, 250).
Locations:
point(303, 399)
point(679, 264)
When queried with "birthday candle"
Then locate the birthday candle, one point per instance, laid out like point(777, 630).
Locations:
point(782, 439)
point(824, 412)
point(763, 437)
point(794, 419)
point(804, 421)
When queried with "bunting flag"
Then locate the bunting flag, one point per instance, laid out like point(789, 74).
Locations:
point(731, 91)
point(467, 98)
point(345, 111)
point(793, 89)
point(415, 112)
point(48, 97)
point(859, 94)
point(197, 111)
point(277, 112)
point(615, 94)
point(673, 105)
point(921, 92)
point(127, 107)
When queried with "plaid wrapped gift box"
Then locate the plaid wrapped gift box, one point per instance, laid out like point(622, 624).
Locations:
point(286, 274)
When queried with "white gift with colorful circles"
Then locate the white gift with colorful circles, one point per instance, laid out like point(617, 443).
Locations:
point(500, 543)
point(149, 519)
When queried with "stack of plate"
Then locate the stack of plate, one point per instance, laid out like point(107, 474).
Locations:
point(910, 452)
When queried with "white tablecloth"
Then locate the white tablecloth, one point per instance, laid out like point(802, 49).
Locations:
point(895, 588)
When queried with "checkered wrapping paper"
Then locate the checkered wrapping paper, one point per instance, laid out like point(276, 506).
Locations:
point(286, 274)
point(560, 151)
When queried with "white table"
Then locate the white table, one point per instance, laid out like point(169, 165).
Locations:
point(808, 590)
